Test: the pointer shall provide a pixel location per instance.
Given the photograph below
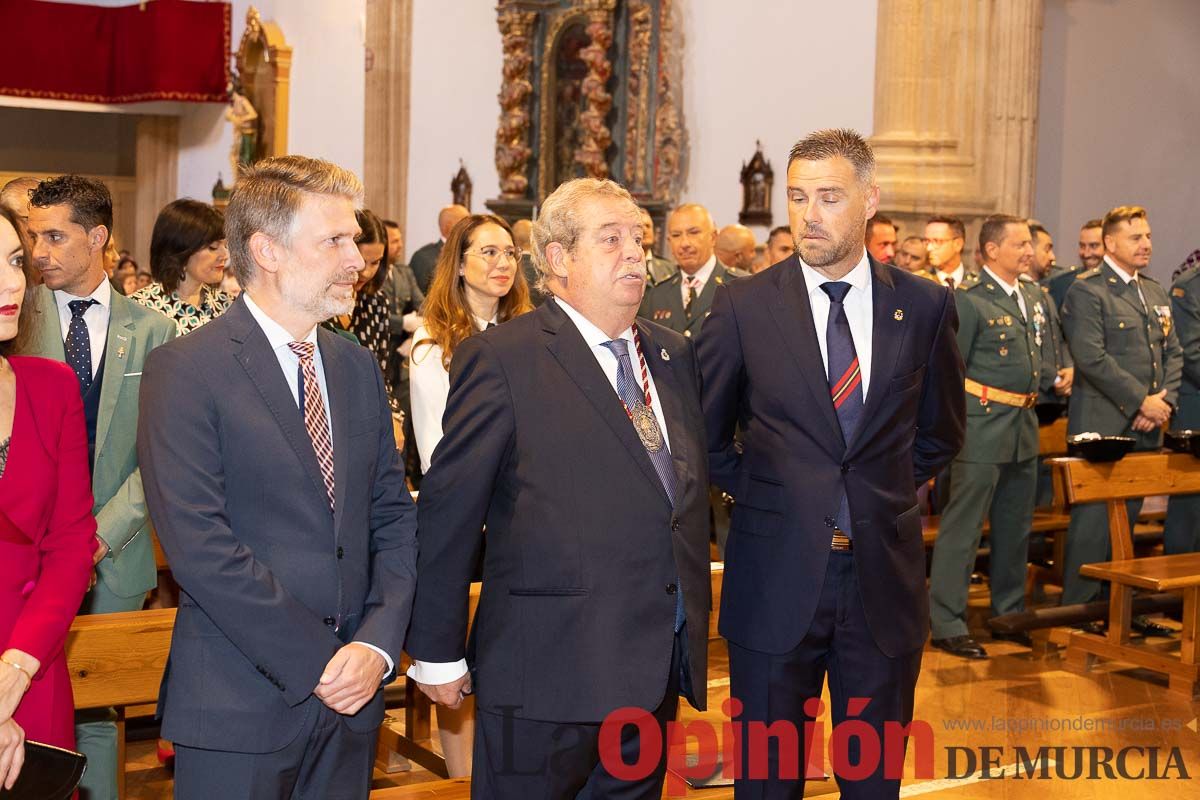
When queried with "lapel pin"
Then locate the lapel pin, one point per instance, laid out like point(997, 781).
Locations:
point(665, 355)
point(121, 351)
point(898, 314)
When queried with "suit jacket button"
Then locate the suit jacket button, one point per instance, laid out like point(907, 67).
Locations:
point(675, 523)
point(330, 621)
point(340, 552)
point(830, 522)
point(672, 588)
point(845, 468)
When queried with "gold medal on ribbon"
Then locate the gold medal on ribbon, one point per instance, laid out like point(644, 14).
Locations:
point(647, 428)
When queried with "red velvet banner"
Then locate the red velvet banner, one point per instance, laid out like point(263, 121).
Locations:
point(166, 50)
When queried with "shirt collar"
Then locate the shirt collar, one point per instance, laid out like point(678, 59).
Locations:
point(277, 335)
point(958, 274)
point(102, 295)
point(482, 323)
point(1121, 273)
point(591, 334)
point(705, 272)
point(858, 278)
point(1008, 288)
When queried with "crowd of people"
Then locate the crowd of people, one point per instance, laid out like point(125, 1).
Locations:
point(583, 406)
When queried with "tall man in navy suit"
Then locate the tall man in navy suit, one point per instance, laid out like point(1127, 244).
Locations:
point(846, 382)
point(573, 434)
point(273, 480)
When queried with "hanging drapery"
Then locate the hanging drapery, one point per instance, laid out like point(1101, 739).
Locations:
point(160, 50)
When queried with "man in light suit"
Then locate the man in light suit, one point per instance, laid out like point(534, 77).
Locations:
point(597, 525)
point(274, 482)
point(844, 376)
point(105, 338)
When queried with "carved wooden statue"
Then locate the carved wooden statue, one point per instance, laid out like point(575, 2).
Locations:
point(460, 187)
point(757, 180)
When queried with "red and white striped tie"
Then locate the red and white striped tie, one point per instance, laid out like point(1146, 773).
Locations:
point(315, 418)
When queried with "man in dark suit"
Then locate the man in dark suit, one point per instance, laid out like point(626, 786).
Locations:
point(425, 259)
point(572, 434)
point(273, 480)
point(682, 302)
point(845, 378)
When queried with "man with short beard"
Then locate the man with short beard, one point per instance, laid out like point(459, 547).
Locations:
point(780, 245)
point(273, 480)
point(1091, 255)
point(1128, 364)
point(845, 379)
point(881, 239)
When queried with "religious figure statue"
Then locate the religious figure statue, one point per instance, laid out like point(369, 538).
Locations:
point(244, 118)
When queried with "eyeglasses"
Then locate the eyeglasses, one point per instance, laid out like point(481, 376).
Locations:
point(492, 255)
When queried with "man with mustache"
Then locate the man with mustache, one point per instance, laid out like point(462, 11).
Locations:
point(682, 302)
point(844, 377)
point(1002, 334)
point(1128, 362)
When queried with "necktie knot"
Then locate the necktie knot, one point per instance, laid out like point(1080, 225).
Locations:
point(303, 350)
point(837, 290)
point(691, 282)
point(79, 307)
point(618, 347)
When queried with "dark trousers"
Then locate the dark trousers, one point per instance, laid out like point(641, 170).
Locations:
point(774, 687)
point(1087, 543)
point(523, 759)
point(327, 761)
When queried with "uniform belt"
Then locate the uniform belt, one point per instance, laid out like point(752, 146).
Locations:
point(841, 543)
point(990, 394)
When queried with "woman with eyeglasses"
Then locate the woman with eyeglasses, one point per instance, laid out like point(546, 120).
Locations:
point(477, 283)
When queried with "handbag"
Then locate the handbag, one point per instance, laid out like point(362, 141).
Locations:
point(49, 773)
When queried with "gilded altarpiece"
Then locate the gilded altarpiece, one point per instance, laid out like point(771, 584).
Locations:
point(589, 88)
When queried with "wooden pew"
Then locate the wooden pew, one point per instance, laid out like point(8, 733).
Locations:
point(1137, 475)
point(117, 660)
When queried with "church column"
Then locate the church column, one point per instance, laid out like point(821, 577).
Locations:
point(157, 169)
point(956, 86)
point(386, 124)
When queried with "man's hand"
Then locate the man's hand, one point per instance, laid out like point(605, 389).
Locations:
point(1066, 377)
point(100, 552)
point(1143, 424)
point(450, 694)
point(1155, 408)
point(351, 678)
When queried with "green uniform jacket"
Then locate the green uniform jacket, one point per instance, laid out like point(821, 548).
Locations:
point(663, 302)
point(1185, 308)
point(659, 270)
point(1055, 353)
point(1123, 352)
point(1005, 352)
point(121, 517)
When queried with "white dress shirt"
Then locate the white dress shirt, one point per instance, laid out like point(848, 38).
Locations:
point(435, 673)
point(958, 274)
point(428, 388)
point(96, 318)
point(858, 305)
point(701, 275)
point(1008, 289)
point(289, 362)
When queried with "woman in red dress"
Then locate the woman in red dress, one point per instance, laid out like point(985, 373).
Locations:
point(47, 532)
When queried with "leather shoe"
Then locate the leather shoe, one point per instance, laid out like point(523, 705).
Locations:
point(1143, 625)
point(961, 646)
point(1096, 626)
point(1016, 637)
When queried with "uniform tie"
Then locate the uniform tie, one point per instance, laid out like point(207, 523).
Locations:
point(312, 407)
point(79, 344)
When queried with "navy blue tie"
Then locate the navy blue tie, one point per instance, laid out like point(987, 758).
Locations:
point(845, 377)
point(79, 344)
point(631, 395)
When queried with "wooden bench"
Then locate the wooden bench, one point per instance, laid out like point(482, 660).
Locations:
point(1137, 475)
point(117, 660)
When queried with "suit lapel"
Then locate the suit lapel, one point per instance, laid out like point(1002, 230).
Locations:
point(48, 338)
point(253, 352)
point(666, 383)
point(567, 346)
point(120, 343)
point(337, 381)
point(793, 316)
point(888, 331)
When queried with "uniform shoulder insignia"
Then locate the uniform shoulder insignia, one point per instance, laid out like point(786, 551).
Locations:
point(1045, 289)
point(1091, 273)
point(1178, 291)
point(1144, 277)
point(734, 272)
